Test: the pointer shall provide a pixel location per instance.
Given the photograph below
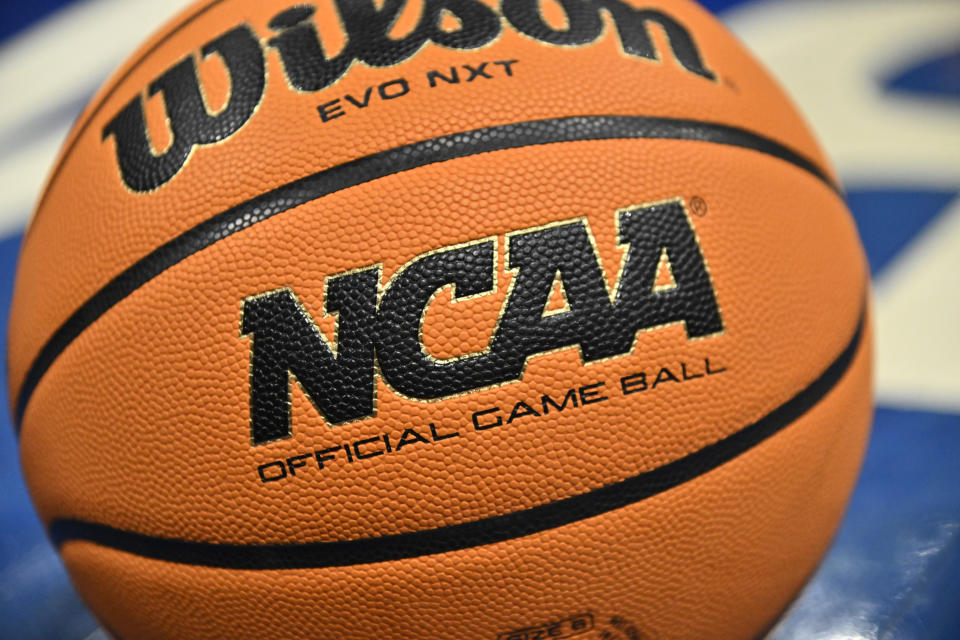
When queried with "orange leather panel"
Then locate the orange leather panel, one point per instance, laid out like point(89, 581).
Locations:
point(164, 392)
point(717, 557)
point(90, 227)
point(143, 422)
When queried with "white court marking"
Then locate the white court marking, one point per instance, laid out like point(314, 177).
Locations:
point(60, 61)
point(882, 140)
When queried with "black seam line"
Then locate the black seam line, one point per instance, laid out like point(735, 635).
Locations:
point(379, 165)
point(478, 532)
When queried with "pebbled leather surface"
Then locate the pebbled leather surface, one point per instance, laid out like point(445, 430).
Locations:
point(717, 557)
point(110, 228)
point(378, 165)
point(141, 421)
point(187, 409)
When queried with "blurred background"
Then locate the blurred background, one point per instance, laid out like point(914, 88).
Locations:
point(879, 81)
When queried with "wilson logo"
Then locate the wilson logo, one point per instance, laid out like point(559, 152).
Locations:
point(308, 67)
point(379, 326)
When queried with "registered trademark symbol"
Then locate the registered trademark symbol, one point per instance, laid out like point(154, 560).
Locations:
point(698, 206)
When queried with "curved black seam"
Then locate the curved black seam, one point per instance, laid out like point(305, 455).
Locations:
point(478, 532)
point(379, 165)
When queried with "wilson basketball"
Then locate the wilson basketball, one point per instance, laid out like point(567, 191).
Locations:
point(441, 319)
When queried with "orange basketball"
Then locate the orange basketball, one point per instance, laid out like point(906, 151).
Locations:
point(441, 319)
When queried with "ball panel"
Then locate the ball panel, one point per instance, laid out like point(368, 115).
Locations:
point(638, 302)
point(716, 557)
point(109, 227)
point(165, 382)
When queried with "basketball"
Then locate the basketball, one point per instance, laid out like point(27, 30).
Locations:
point(441, 319)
